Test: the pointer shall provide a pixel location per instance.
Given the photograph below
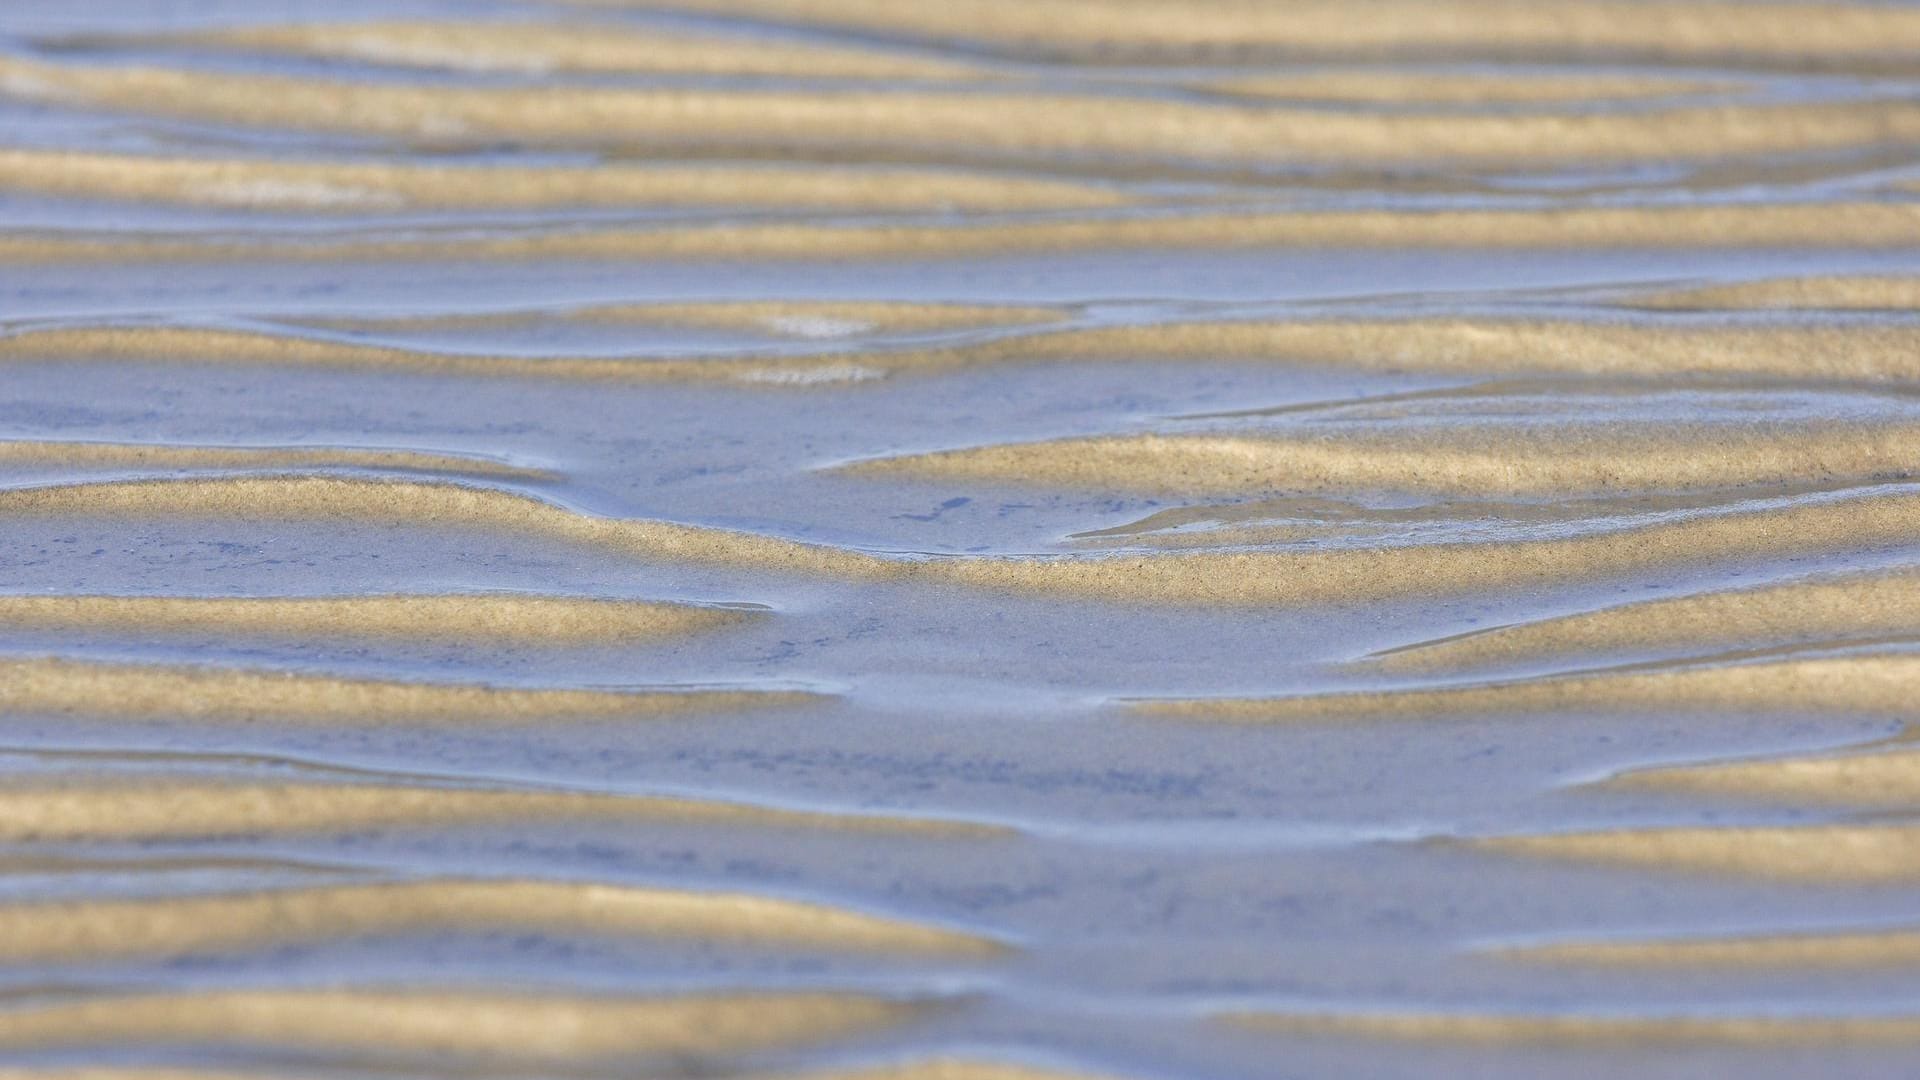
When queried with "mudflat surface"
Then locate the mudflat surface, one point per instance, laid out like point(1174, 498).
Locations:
point(997, 540)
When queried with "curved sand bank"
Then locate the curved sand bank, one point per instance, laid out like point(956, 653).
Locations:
point(1791, 33)
point(1822, 609)
point(1221, 577)
point(103, 455)
point(977, 122)
point(76, 687)
point(1614, 1031)
point(80, 929)
point(1830, 225)
point(1869, 684)
point(1834, 293)
point(129, 809)
point(311, 185)
point(1885, 779)
point(1850, 353)
point(1870, 949)
point(1810, 854)
point(473, 616)
point(538, 48)
point(456, 1023)
point(1484, 460)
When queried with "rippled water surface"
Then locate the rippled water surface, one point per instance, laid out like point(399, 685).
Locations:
point(993, 540)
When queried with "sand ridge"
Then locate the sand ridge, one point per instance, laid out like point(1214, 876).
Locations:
point(1808, 611)
point(1456, 459)
point(1852, 353)
point(1836, 855)
point(514, 617)
point(1046, 122)
point(178, 926)
point(816, 320)
point(1739, 226)
point(1619, 1030)
point(1883, 779)
point(1838, 292)
point(1897, 948)
point(123, 809)
point(1217, 577)
point(1878, 684)
point(67, 687)
point(259, 183)
point(460, 1024)
point(539, 48)
point(113, 455)
point(1797, 34)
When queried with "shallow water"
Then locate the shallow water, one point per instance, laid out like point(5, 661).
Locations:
point(1096, 537)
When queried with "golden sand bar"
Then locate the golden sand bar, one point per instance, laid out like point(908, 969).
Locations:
point(1618, 1031)
point(1821, 609)
point(456, 1023)
point(1389, 86)
point(1813, 854)
point(262, 184)
point(1866, 949)
point(1838, 293)
point(77, 687)
point(931, 1069)
point(806, 319)
point(942, 1068)
point(1481, 460)
point(1831, 225)
point(535, 48)
point(185, 925)
point(1876, 780)
point(1849, 353)
point(441, 616)
point(986, 123)
point(1869, 684)
point(102, 455)
point(127, 808)
point(1223, 577)
point(1792, 33)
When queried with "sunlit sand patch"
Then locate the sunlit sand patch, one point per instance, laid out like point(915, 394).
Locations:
point(1822, 609)
point(260, 183)
point(1885, 779)
point(1865, 949)
point(983, 122)
point(539, 48)
point(815, 320)
point(104, 455)
point(1879, 854)
point(80, 687)
point(134, 809)
point(1838, 293)
point(1868, 684)
point(1829, 225)
point(1395, 87)
point(457, 1023)
point(1843, 353)
point(928, 1069)
point(1796, 34)
point(1223, 577)
point(530, 618)
point(77, 929)
point(1603, 1030)
point(1482, 460)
